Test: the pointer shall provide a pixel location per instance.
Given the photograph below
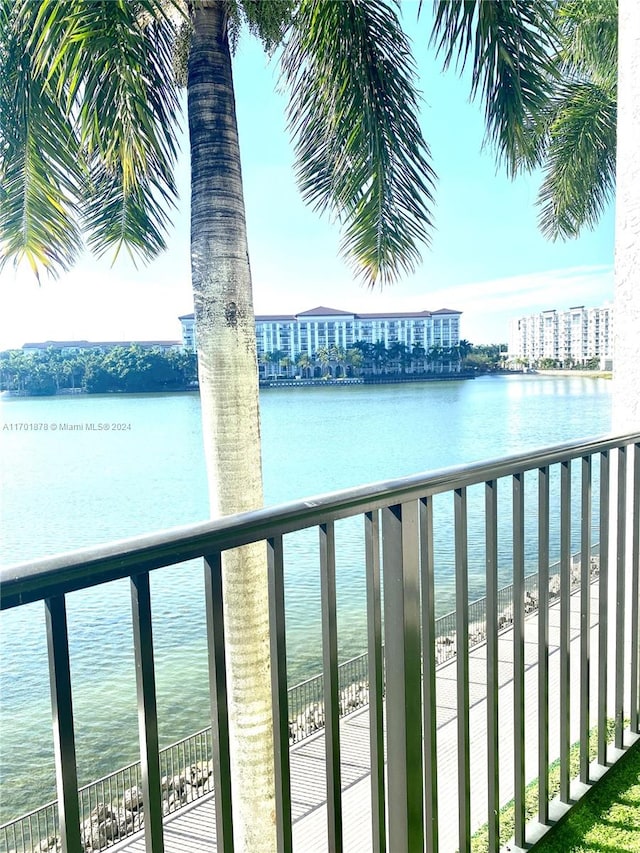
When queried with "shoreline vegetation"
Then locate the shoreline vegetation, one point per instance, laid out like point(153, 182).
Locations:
point(324, 382)
point(131, 369)
point(134, 369)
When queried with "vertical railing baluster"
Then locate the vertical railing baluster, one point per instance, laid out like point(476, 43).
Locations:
point(493, 758)
point(585, 616)
point(376, 684)
point(173, 769)
point(429, 704)
point(147, 712)
point(621, 544)
point(462, 669)
point(278, 639)
point(330, 684)
point(543, 645)
point(400, 558)
point(518, 658)
point(565, 626)
point(603, 607)
point(219, 709)
point(81, 807)
point(63, 734)
point(635, 592)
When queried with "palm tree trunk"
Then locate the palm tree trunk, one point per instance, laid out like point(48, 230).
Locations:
point(227, 364)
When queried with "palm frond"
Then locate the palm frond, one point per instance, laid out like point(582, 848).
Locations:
point(117, 57)
point(580, 159)
point(360, 153)
point(40, 167)
point(511, 44)
point(106, 66)
point(589, 39)
point(115, 219)
point(129, 121)
point(575, 132)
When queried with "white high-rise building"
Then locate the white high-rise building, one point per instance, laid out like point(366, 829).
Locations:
point(309, 331)
point(570, 337)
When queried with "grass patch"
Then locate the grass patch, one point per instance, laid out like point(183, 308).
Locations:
point(607, 819)
point(480, 840)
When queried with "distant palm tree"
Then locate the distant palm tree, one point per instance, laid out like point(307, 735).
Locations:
point(399, 353)
point(303, 363)
point(338, 357)
point(286, 364)
point(418, 357)
point(277, 357)
point(463, 349)
point(365, 349)
point(379, 356)
point(323, 358)
point(434, 358)
point(265, 359)
point(354, 361)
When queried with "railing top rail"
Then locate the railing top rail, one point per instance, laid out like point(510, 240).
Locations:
point(199, 733)
point(39, 579)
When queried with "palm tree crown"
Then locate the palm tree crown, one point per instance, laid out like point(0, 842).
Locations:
point(360, 152)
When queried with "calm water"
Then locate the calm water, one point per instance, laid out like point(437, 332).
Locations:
point(66, 489)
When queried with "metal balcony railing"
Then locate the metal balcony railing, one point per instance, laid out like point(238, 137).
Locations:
point(186, 767)
point(398, 519)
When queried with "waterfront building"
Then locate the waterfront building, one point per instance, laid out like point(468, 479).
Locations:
point(571, 337)
point(322, 327)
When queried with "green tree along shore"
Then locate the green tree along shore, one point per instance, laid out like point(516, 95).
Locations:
point(136, 369)
point(131, 369)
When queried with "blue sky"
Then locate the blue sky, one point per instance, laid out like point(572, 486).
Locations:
point(487, 257)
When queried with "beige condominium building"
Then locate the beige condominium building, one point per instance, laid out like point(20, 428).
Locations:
point(310, 331)
point(571, 337)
